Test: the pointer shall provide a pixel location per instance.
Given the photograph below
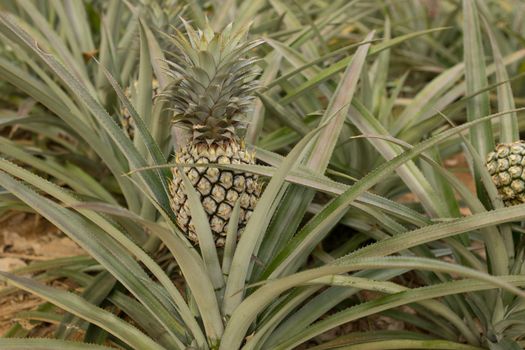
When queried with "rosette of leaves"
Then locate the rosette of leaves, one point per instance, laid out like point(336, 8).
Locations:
point(300, 267)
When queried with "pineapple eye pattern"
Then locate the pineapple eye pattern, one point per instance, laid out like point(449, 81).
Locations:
point(126, 121)
point(505, 164)
point(219, 189)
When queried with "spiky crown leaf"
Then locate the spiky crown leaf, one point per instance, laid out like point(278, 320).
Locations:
point(214, 82)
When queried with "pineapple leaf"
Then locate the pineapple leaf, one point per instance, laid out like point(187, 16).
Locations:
point(391, 301)
point(80, 307)
point(250, 240)
point(204, 234)
point(11, 29)
point(231, 240)
point(509, 126)
point(343, 63)
point(105, 249)
point(48, 344)
point(476, 79)
point(326, 219)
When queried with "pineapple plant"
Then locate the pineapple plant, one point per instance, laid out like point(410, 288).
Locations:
point(211, 95)
point(126, 121)
point(310, 261)
point(505, 165)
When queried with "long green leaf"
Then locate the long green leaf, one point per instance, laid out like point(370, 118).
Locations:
point(103, 248)
point(47, 344)
point(11, 29)
point(342, 64)
point(204, 234)
point(80, 307)
point(509, 126)
point(476, 79)
point(328, 217)
point(391, 301)
point(125, 241)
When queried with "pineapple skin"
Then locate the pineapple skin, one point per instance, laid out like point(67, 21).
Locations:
point(127, 123)
point(506, 165)
point(218, 189)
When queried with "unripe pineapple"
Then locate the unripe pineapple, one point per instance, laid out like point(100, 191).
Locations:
point(212, 93)
point(506, 165)
point(127, 122)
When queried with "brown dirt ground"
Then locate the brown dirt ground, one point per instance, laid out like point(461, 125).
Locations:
point(25, 238)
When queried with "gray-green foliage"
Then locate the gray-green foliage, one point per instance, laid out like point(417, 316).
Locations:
point(358, 106)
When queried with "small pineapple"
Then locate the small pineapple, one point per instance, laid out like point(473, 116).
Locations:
point(127, 122)
point(212, 93)
point(506, 165)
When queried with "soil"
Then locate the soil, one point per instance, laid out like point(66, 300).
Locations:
point(25, 238)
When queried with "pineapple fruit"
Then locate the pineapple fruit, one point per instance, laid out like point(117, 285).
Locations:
point(126, 120)
point(212, 92)
point(506, 165)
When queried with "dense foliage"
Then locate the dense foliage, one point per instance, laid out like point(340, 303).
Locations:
point(357, 106)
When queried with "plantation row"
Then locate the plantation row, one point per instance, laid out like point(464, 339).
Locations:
point(268, 174)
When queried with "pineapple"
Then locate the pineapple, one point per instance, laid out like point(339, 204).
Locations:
point(211, 95)
point(126, 121)
point(506, 164)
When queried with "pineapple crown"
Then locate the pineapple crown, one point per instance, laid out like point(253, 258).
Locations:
point(214, 82)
